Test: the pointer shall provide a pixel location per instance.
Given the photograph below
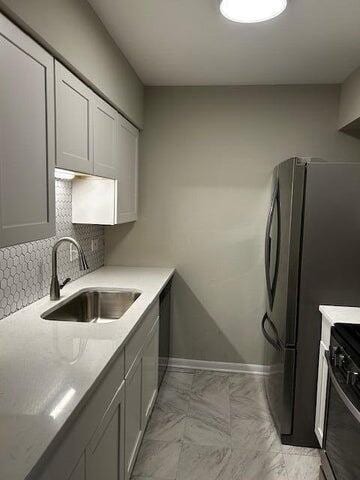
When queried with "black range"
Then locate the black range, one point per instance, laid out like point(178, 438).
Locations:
point(341, 452)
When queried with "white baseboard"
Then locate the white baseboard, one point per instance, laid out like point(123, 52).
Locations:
point(187, 364)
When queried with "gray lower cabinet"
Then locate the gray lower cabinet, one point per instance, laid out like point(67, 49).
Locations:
point(140, 392)
point(133, 415)
point(103, 457)
point(103, 441)
point(96, 435)
point(103, 460)
point(104, 454)
point(27, 138)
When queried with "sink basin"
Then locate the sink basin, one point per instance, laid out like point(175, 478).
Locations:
point(92, 306)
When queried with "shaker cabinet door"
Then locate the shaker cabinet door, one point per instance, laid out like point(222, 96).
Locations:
point(27, 138)
point(127, 173)
point(105, 452)
point(150, 373)
point(133, 420)
point(74, 122)
point(103, 461)
point(105, 139)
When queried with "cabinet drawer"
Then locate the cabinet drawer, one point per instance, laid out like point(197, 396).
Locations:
point(137, 341)
point(110, 383)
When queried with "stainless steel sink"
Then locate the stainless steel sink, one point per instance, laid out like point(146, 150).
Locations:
point(93, 305)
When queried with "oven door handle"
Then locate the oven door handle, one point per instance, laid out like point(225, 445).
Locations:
point(345, 399)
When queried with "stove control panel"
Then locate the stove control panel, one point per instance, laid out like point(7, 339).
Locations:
point(338, 357)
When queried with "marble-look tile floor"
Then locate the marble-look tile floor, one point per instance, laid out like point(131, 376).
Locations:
point(217, 426)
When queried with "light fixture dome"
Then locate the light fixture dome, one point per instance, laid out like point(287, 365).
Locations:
point(251, 11)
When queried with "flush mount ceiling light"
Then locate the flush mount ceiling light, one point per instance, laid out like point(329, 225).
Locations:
point(251, 11)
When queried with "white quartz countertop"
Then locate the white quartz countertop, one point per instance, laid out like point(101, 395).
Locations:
point(48, 368)
point(333, 314)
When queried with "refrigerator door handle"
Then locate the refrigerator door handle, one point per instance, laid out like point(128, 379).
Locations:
point(275, 342)
point(274, 204)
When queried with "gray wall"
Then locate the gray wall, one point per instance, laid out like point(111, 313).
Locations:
point(206, 159)
point(72, 31)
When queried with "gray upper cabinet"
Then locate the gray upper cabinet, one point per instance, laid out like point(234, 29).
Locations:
point(127, 173)
point(86, 128)
point(105, 139)
point(27, 138)
point(108, 201)
point(74, 122)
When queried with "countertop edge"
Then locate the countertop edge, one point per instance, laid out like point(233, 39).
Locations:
point(340, 314)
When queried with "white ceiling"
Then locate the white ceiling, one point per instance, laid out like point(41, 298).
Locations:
point(188, 42)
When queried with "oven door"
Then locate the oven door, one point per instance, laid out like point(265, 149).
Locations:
point(342, 435)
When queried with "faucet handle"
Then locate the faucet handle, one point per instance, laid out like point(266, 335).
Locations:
point(67, 280)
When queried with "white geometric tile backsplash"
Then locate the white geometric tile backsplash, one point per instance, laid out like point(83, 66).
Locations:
point(25, 269)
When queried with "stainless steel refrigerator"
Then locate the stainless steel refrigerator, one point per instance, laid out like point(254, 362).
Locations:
point(312, 257)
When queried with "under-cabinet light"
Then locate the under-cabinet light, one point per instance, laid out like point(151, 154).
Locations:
point(64, 174)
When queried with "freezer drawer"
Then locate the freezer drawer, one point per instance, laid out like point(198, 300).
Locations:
point(280, 382)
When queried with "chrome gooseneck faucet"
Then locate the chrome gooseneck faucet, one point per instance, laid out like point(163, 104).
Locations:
point(55, 287)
